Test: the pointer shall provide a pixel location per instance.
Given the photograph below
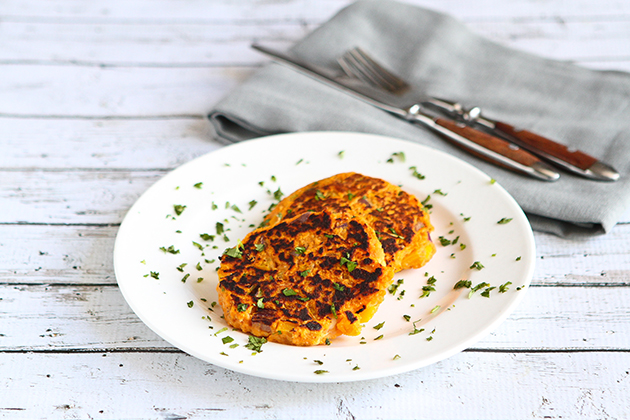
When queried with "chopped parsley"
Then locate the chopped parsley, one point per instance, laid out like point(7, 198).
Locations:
point(252, 204)
point(399, 155)
point(477, 265)
point(234, 252)
point(504, 287)
point(220, 228)
point(289, 292)
point(181, 267)
point(190, 304)
point(305, 273)
point(462, 284)
point(319, 196)
point(320, 371)
point(504, 220)
point(236, 209)
point(415, 173)
point(486, 292)
point(394, 286)
point(198, 185)
point(198, 245)
point(379, 326)
point(255, 343)
point(338, 287)
point(477, 287)
point(154, 274)
point(242, 307)
point(300, 250)
point(350, 265)
point(185, 278)
point(179, 209)
point(259, 247)
point(227, 339)
point(171, 250)
point(206, 237)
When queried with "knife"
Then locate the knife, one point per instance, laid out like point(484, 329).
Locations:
point(574, 161)
point(477, 142)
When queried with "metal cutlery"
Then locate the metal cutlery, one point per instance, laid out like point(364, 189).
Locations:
point(475, 141)
point(357, 63)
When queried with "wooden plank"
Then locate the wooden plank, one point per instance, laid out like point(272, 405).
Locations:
point(38, 254)
point(177, 386)
point(98, 318)
point(62, 254)
point(103, 143)
point(149, 45)
point(132, 92)
point(217, 44)
point(82, 197)
point(291, 10)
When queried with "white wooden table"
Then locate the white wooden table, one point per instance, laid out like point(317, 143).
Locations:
point(98, 100)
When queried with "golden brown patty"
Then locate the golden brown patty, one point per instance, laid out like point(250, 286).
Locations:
point(304, 280)
point(399, 219)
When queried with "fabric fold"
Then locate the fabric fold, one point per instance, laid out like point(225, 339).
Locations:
point(584, 109)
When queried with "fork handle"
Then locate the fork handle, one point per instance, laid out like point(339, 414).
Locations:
point(494, 149)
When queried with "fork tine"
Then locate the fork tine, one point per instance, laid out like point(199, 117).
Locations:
point(381, 72)
point(356, 62)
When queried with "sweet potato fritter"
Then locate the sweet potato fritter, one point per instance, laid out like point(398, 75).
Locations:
point(305, 279)
point(399, 219)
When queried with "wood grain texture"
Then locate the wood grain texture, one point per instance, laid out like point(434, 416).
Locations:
point(71, 143)
point(100, 100)
point(68, 317)
point(177, 386)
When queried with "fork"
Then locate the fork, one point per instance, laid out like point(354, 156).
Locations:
point(359, 64)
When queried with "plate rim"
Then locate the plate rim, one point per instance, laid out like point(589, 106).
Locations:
point(358, 376)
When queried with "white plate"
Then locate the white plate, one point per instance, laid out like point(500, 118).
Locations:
point(470, 209)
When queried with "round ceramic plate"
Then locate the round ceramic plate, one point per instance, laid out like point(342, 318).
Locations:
point(168, 246)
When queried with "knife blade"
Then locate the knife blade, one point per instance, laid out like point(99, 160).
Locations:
point(477, 142)
point(574, 161)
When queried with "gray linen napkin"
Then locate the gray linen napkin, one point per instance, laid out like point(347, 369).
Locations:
point(585, 109)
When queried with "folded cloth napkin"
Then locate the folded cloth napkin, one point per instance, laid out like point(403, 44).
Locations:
point(585, 109)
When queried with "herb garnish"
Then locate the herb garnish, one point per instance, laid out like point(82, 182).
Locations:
point(198, 185)
point(504, 220)
point(171, 250)
point(289, 292)
point(190, 304)
point(154, 274)
point(477, 265)
point(255, 343)
point(242, 307)
point(379, 326)
point(179, 209)
point(415, 173)
point(477, 287)
point(462, 284)
point(504, 287)
point(351, 265)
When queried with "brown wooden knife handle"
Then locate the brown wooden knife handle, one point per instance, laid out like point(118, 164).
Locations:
point(495, 144)
point(550, 147)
